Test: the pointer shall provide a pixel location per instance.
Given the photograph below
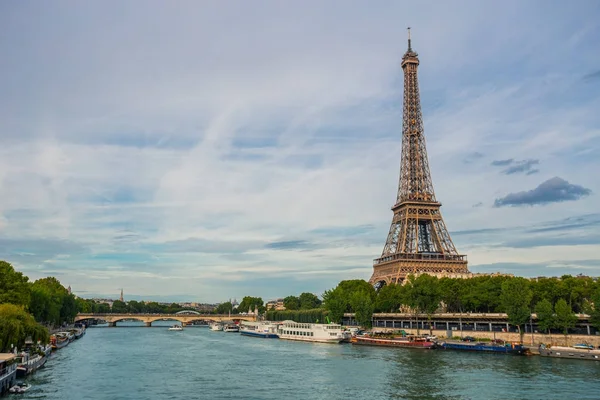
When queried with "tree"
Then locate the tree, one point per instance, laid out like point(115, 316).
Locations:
point(309, 301)
point(363, 308)
point(16, 325)
point(135, 307)
point(423, 295)
point(565, 319)
point(389, 299)
point(51, 302)
point(224, 308)
point(336, 302)
point(14, 287)
point(250, 303)
point(545, 315)
point(291, 303)
point(119, 307)
point(595, 313)
point(516, 300)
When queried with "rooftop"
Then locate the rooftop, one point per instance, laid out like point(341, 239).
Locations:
point(6, 356)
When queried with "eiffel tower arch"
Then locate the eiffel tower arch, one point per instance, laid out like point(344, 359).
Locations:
point(418, 241)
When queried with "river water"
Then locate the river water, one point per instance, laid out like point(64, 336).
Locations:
point(134, 362)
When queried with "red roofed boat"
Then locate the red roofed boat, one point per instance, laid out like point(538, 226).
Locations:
point(410, 341)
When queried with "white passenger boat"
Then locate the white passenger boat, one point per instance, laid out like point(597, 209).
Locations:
point(176, 328)
point(216, 326)
point(306, 332)
point(231, 328)
point(261, 329)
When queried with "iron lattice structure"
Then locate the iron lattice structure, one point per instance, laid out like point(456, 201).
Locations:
point(418, 241)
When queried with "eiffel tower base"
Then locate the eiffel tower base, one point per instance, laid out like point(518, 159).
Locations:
point(396, 271)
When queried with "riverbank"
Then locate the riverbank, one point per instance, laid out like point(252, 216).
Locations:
point(530, 340)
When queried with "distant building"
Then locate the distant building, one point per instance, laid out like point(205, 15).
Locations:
point(276, 305)
point(69, 289)
point(121, 298)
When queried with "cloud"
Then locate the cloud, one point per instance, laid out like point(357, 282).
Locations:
point(187, 167)
point(515, 167)
point(521, 166)
point(499, 163)
point(472, 157)
point(551, 191)
point(592, 76)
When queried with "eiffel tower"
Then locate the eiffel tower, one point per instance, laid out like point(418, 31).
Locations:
point(418, 241)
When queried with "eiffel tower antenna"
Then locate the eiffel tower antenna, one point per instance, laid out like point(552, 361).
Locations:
point(418, 240)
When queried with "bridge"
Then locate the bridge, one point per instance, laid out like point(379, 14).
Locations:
point(148, 319)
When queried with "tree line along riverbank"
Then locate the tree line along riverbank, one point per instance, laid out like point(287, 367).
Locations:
point(555, 301)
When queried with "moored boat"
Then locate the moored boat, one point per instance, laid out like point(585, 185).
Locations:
point(569, 352)
point(27, 363)
point(231, 328)
point(216, 326)
point(8, 372)
point(20, 388)
point(58, 341)
point(506, 348)
point(261, 329)
point(410, 341)
point(309, 332)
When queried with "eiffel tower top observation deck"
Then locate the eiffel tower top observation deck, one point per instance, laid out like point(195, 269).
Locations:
point(418, 240)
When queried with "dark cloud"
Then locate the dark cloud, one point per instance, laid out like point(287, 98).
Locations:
point(521, 166)
point(502, 163)
point(592, 76)
point(290, 245)
point(476, 205)
point(553, 190)
point(517, 167)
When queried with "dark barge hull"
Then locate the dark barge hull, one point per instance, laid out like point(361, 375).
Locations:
point(484, 348)
point(578, 354)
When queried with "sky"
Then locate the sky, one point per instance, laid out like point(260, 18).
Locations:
point(212, 150)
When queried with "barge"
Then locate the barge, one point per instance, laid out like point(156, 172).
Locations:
point(569, 352)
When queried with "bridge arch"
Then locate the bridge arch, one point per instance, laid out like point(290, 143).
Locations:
point(184, 312)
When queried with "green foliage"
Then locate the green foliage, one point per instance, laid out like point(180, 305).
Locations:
point(389, 299)
point(545, 315)
point(16, 325)
point(565, 319)
point(516, 300)
point(14, 287)
point(338, 301)
point(314, 315)
point(51, 303)
point(595, 313)
point(423, 293)
point(119, 307)
point(224, 308)
point(309, 301)
point(249, 303)
point(291, 303)
point(362, 305)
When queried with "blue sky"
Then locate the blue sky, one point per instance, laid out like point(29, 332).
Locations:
point(208, 150)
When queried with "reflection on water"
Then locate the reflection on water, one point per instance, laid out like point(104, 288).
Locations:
point(132, 362)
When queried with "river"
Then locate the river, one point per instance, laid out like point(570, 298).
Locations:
point(134, 362)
